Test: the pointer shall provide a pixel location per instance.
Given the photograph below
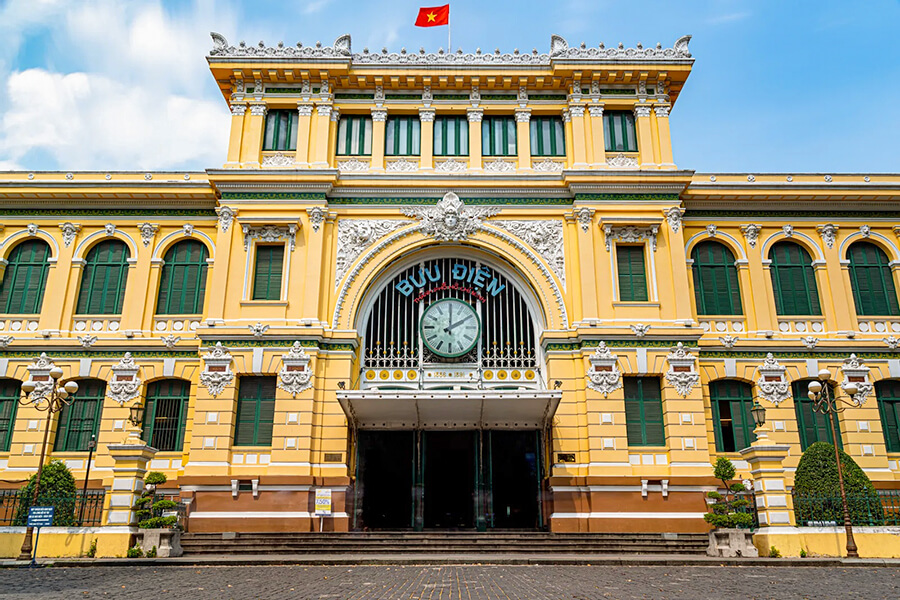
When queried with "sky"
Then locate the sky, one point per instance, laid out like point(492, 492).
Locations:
point(777, 86)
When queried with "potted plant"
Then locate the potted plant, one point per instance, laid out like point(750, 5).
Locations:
point(157, 520)
point(732, 533)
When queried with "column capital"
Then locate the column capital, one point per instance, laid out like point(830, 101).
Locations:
point(258, 110)
point(576, 110)
point(335, 114)
point(595, 110)
point(238, 110)
point(566, 116)
point(379, 114)
point(426, 114)
point(641, 110)
point(523, 115)
point(661, 110)
point(324, 110)
point(304, 109)
point(475, 115)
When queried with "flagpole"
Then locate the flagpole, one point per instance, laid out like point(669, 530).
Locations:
point(449, 46)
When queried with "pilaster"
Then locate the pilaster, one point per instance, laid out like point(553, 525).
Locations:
point(523, 138)
point(773, 503)
point(664, 136)
point(579, 156)
point(251, 145)
point(644, 135)
point(474, 116)
point(304, 123)
point(56, 293)
point(598, 141)
point(235, 138)
point(426, 156)
point(379, 122)
point(320, 149)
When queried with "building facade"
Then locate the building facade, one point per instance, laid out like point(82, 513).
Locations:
point(456, 290)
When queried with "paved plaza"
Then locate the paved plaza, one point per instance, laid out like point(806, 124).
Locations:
point(450, 582)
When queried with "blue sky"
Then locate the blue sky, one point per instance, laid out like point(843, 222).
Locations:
point(790, 86)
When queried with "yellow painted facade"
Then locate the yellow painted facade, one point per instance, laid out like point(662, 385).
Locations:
point(348, 221)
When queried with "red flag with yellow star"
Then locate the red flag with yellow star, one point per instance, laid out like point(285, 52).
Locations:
point(432, 17)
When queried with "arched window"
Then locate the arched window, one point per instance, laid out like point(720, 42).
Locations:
point(9, 400)
point(103, 281)
point(22, 290)
point(716, 283)
point(813, 426)
point(81, 419)
point(793, 280)
point(165, 414)
point(183, 280)
point(888, 394)
point(731, 403)
point(870, 277)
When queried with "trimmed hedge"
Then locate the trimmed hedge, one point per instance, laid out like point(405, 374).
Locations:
point(57, 490)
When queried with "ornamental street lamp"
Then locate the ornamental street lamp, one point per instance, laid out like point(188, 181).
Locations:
point(828, 405)
point(52, 399)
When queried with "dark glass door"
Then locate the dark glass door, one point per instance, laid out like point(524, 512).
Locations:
point(513, 479)
point(450, 473)
point(386, 479)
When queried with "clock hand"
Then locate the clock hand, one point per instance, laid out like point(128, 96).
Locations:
point(453, 325)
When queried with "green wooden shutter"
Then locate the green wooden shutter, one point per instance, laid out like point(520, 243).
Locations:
point(165, 414)
point(643, 412)
point(632, 274)
point(9, 401)
point(716, 285)
point(268, 272)
point(255, 411)
point(81, 419)
point(812, 426)
point(102, 289)
point(22, 289)
point(793, 280)
point(888, 394)
point(731, 401)
point(182, 284)
point(873, 287)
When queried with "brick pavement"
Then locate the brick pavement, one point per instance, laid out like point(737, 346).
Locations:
point(450, 583)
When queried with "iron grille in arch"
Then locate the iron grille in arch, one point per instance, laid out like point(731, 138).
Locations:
point(392, 340)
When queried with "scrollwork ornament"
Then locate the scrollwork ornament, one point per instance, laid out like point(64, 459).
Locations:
point(545, 237)
point(772, 383)
point(585, 217)
point(125, 384)
point(39, 373)
point(69, 231)
point(217, 373)
point(316, 216)
point(226, 216)
point(604, 376)
point(857, 373)
point(828, 233)
point(6, 340)
point(673, 217)
point(751, 233)
point(682, 374)
point(148, 230)
point(354, 236)
point(450, 220)
point(295, 375)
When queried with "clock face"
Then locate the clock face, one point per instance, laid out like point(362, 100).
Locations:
point(450, 327)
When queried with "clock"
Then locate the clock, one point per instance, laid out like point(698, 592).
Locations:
point(450, 328)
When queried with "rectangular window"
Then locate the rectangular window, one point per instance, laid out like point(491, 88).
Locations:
point(643, 412)
point(547, 138)
point(81, 419)
point(618, 131)
point(9, 401)
point(402, 136)
point(255, 411)
point(268, 272)
point(451, 136)
point(498, 136)
point(354, 137)
point(281, 130)
point(165, 414)
point(632, 273)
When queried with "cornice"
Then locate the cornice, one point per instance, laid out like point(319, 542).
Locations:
point(462, 192)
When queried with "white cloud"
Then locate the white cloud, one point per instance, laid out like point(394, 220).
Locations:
point(140, 95)
point(314, 6)
point(728, 18)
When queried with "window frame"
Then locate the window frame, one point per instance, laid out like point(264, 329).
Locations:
point(89, 274)
point(716, 271)
point(181, 269)
point(9, 404)
point(392, 127)
point(489, 125)
point(865, 300)
point(889, 406)
point(557, 143)
point(620, 296)
point(719, 397)
point(642, 402)
point(149, 428)
point(628, 124)
point(243, 396)
point(779, 273)
point(286, 143)
point(461, 135)
point(253, 274)
point(64, 421)
point(21, 274)
point(345, 135)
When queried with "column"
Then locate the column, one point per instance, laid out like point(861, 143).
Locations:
point(644, 135)
point(588, 299)
point(579, 156)
point(681, 288)
point(475, 115)
point(233, 160)
point(837, 279)
point(598, 141)
point(523, 138)
point(379, 119)
point(56, 295)
point(666, 160)
point(217, 276)
point(304, 122)
point(320, 149)
point(426, 143)
point(128, 480)
point(773, 502)
point(567, 125)
point(251, 145)
point(136, 295)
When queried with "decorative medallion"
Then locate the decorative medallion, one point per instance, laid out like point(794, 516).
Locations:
point(681, 373)
point(547, 166)
point(258, 329)
point(69, 231)
point(892, 342)
point(545, 238)
point(39, 373)
point(316, 216)
point(450, 220)
point(604, 375)
point(402, 165)
point(278, 161)
point(171, 340)
point(584, 216)
point(125, 385)
point(451, 166)
point(673, 217)
point(217, 372)
point(639, 329)
point(87, 340)
point(6, 340)
point(226, 216)
point(728, 341)
point(295, 375)
point(711, 230)
point(828, 233)
point(620, 161)
point(788, 230)
point(772, 383)
point(148, 230)
point(499, 166)
point(751, 233)
point(857, 373)
point(352, 165)
point(810, 341)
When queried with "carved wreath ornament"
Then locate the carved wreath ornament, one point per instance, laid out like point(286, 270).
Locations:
point(295, 375)
point(450, 220)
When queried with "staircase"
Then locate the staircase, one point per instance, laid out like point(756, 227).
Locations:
point(453, 542)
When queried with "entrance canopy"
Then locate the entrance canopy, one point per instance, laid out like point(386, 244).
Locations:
point(449, 409)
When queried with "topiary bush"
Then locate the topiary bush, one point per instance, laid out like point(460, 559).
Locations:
point(57, 490)
point(149, 511)
point(817, 492)
point(728, 511)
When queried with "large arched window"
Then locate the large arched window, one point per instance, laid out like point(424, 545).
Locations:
point(183, 280)
point(715, 280)
point(813, 426)
point(81, 419)
point(22, 290)
point(888, 394)
point(873, 285)
point(793, 280)
point(103, 281)
point(165, 414)
point(9, 400)
point(731, 401)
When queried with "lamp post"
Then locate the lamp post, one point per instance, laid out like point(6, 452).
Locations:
point(828, 405)
point(52, 401)
point(758, 412)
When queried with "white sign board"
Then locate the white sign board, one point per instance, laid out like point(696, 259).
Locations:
point(323, 502)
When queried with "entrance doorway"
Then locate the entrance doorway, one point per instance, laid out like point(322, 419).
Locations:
point(448, 480)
